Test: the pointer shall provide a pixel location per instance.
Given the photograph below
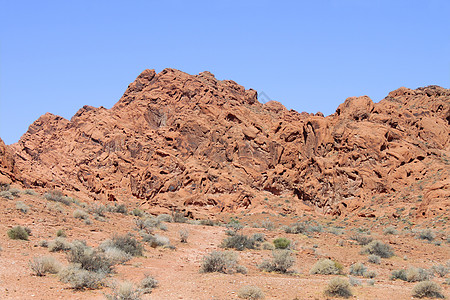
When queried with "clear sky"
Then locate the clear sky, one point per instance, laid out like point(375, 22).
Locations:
point(56, 56)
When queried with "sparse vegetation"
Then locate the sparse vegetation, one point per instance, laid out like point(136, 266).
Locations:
point(178, 217)
point(411, 274)
point(89, 259)
point(375, 259)
point(20, 205)
point(378, 248)
point(281, 262)
point(124, 291)
point(7, 195)
point(126, 243)
point(57, 196)
point(427, 289)
point(362, 239)
point(250, 292)
point(358, 269)
point(59, 244)
point(184, 234)
point(390, 230)
point(148, 284)
point(239, 242)
point(79, 278)
point(44, 264)
point(441, 270)
point(426, 234)
point(338, 287)
point(18, 233)
point(296, 228)
point(326, 267)
point(223, 262)
point(259, 237)
point(61, 233)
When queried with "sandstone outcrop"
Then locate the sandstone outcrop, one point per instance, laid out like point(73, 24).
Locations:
point(202, 145)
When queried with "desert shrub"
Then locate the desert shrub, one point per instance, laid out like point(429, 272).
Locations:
point(239, 242)
point(207, 222)
point(44, 264)
point(80, 214)
point(267, 246)
point(358, 269)
point(326, 267)
point(124, 291)
point(336, 230)
point(116, 256)
point(137, 212)
point(398, 274)
point(338, 287)
point(281, 261)
point(315, 228)
point(15, 192)
point(354, 281)
point(390, 230)
point(148, 284)
point(378, 248)
point(7, 195)
point(370, 274)
point(178, 217)
point(29, 192)
point(447, 281)
point(250, 292)
point(18, 233)
point(267, 225)
point(427, 289)
point(164, 218)
point(221, 261)
point(184, 234)
point(440, 270)
point(411, 274)
point(296, 228)
point(281, 243)
point(80, 278)
point(426, 234)
point(89, 259)
point(59, 244)
point(118, 209)
point(4, 186)
point(234, 225)
point(22, 207)
point(57, 196)
point(97, 209)
point(43, 243)
point(362, 239)
point(126, 243)
point(371, 282)
point(259, 237)
point(157, 240)
point(61, 233)
point(375, 259)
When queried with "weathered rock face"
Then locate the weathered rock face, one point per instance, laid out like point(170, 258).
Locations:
point(176, 140)
point(7, 170)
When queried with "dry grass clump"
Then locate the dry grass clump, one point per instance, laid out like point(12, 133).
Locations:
point(20, 205)
point(326, 267)
point(427, 289)
point(184, 234)
point(148, 284)
point(250, 292)
point(157, 241)
point(59, 244)
point(338, 287)
point(378, 248)
point(79, 278)
point(281, 262)
point(117, 256)
point(223, 262)
point(45, 264)
point(124, 291)
point(80, 214)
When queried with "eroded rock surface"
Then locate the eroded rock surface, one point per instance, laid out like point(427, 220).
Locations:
point(196, 143)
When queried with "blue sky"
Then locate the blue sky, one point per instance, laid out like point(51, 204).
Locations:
point(56, 56)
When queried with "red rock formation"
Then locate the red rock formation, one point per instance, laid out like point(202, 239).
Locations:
point(7, 171)
point(176, 140)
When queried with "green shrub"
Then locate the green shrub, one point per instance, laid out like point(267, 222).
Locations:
point(338, 287)
point(61, 233)
point(375, 259)
point(250, 292)
point(80, 278)
point(281, 262)
point(45, 264)
point(358, 269)
point(326, 267)
point(223, 262)
point(239, 242)
point(378, 248)
point(22, 207)
point(18, 233)
point(124, 291)
point(428, 289)
point(148, 284)
point(426, 234)
point(126, 243)
point(281, 243)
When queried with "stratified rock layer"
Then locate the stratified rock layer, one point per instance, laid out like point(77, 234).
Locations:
point(179, 141)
